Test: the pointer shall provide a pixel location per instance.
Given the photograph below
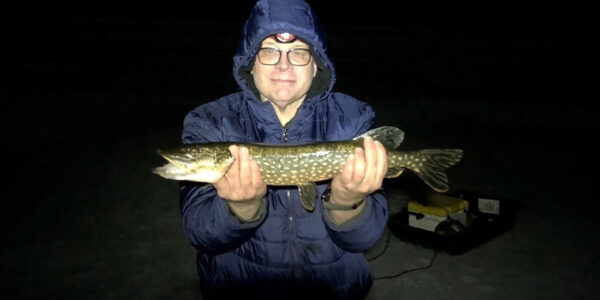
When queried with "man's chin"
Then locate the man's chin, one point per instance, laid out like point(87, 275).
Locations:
point(282, 103)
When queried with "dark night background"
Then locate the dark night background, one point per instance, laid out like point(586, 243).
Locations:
point(91, 90)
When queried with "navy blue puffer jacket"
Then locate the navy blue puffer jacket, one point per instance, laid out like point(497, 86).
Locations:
point(288, 253)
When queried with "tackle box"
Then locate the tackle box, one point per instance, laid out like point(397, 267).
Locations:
point(439, 208)
point(454, 222)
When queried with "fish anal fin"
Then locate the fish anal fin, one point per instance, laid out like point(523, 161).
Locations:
point(394, 172)
point(390, 137)
point(308, 195)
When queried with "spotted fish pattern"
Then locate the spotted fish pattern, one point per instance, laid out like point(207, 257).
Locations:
point(302, 165)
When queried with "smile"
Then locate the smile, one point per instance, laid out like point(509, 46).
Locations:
point(283, 80)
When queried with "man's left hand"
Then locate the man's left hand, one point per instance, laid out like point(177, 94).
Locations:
point(362, 175)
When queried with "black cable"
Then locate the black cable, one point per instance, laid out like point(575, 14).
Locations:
point(387, 243)
point(435, 252)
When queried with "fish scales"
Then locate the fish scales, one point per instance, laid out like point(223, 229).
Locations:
point(303, 165)
point(296, 165)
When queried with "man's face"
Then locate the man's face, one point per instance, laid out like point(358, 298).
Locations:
point(283, 83)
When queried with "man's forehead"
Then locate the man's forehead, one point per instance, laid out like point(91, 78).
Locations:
point(276, 40)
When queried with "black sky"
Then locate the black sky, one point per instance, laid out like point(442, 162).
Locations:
point(371, 13)
point(554, 45)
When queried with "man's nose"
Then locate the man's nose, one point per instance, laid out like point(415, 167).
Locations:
point(283, 63)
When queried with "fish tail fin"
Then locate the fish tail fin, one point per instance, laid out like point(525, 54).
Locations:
point(431, 164)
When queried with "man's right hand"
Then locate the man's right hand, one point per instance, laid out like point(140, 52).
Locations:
point(242, 186)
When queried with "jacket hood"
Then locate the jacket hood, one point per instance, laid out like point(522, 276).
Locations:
point(269, 17)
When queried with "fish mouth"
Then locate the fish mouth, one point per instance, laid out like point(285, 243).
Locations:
point(162, 170)
point(171, 159)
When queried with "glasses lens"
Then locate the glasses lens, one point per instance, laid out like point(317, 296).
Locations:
point(268, 56)
point(299, 57)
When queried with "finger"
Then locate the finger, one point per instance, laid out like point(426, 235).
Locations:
point(233, 150)
point(370, 160)
point(221, 183)
point(359, 166)
point(347, 173)
point(232, 174)
point(257, 181)
point(259, 185)
point(245, 171)
point(382, 165)
point(222, 187)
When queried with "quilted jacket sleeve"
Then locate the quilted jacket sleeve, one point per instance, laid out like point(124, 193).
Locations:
point(361, 233)
point(208, 223)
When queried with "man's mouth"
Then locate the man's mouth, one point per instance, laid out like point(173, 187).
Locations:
point(277, 80)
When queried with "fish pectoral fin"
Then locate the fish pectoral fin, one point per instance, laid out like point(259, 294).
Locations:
point(394, 172)
point(308, 195)
point(390, 137)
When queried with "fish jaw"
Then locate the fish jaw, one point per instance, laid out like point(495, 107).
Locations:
point(171, 171)
point(177, 158)
point(200, 163)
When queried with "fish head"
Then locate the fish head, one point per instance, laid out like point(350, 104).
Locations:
point(202, 163)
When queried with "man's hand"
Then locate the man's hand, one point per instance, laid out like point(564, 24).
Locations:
point(362, 175)
point(242, 185)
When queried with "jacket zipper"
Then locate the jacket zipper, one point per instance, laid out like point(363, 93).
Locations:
point(284, 136)
point(286, 127)
point(297, 271)
point(293, 236)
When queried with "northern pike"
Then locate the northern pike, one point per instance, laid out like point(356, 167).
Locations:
point(303, 165)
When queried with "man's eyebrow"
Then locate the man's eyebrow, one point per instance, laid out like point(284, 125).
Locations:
point(300, 46)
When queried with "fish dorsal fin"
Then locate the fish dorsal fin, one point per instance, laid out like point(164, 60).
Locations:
point(390, 137)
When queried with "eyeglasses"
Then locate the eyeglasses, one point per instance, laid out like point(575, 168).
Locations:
point(271, 56)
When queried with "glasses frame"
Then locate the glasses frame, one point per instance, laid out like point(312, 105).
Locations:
point(287, 56)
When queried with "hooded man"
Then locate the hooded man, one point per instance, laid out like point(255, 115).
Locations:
point(257, 241)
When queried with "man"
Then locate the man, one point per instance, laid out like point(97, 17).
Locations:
point(257, 241)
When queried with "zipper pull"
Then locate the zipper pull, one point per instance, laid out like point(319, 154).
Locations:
point(284, 138)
